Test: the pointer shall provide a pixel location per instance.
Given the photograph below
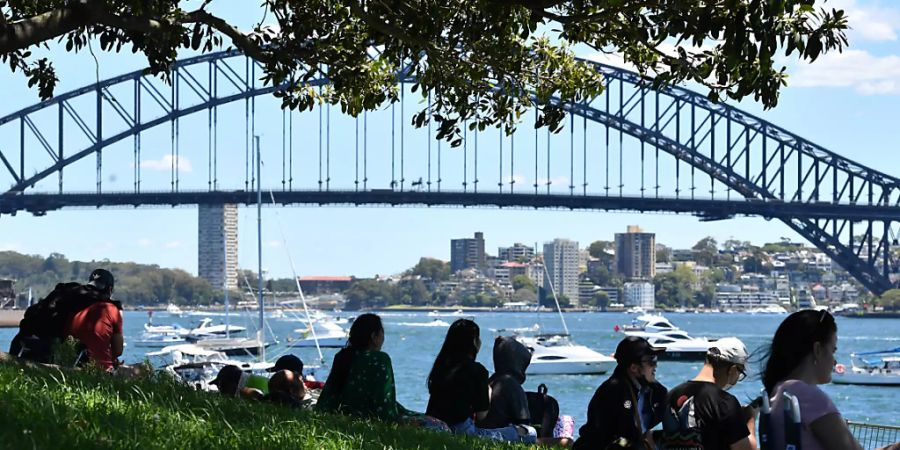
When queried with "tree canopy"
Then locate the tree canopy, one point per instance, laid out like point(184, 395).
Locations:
point(476, 61)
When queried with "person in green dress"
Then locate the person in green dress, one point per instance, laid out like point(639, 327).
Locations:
point(361, 381)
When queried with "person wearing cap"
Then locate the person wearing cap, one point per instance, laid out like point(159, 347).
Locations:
point(231, 381)
point(99, 325)
point(700, 414)
point(629, 404)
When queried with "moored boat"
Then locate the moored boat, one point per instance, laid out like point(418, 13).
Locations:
point(881, 368)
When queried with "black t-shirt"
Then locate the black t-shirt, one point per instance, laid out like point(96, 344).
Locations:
point(458, 392)
point(699, 415)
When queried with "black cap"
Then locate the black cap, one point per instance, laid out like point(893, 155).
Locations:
point(227, 374)
point(288, 362)
point(102, 279)
point(633, 348)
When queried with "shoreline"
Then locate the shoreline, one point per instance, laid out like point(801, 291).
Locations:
point(9, 318)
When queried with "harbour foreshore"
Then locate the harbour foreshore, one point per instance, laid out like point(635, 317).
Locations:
point(9, 318)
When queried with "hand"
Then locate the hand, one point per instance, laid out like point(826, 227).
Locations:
point(749, 412)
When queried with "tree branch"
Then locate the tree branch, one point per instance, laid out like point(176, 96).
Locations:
point(34, 30)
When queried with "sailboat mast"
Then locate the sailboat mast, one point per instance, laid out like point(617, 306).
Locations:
point(259, 331)
point(553, 291)
point(225, 282)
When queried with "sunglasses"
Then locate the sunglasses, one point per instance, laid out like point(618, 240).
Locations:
point(742, 374)
point(652, 361)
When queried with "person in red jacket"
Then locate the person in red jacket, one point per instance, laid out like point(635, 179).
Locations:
point(99, 326)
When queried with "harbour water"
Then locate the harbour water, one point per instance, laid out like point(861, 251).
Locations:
point(412, 347)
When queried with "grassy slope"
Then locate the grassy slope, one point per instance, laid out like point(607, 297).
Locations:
point(50, 408)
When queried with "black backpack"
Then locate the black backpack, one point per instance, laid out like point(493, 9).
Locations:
point(45, 322)
point(544, 411)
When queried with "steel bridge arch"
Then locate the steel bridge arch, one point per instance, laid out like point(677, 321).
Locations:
point(851, 183)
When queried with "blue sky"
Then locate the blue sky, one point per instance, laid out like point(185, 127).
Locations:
point(844, 102)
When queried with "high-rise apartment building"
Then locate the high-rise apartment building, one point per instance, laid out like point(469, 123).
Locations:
point(518, 253)
point(217, 242)
point(561, 259)
point(467, 253)
point(636, 254)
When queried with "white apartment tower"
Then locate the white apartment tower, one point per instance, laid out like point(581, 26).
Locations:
point(561, 259)
point(217, 242)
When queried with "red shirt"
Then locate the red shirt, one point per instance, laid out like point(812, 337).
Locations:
point(94, 326)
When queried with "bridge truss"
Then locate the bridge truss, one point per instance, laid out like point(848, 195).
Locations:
point(633, 148)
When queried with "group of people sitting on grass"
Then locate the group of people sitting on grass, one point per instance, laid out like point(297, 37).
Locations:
point(464, 399)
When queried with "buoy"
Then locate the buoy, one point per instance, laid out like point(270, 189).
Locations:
point(839, 368)
point(616, 328)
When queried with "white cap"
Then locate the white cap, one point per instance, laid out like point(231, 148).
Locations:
point(729, 349)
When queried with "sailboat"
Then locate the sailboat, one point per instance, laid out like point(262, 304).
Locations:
point(558, 354)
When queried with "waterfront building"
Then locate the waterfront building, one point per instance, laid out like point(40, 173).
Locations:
point(535, 271)
point(505, 272)
point(639, 294)
point(636, 254)
point(745, 299)
point(467, 253)
point(587, 291)
point(318, 285)
point(561, 258)
point(682, 254)
point(518, 253)
point(217, 245)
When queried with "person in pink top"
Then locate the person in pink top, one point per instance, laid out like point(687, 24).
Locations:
point(801, 358)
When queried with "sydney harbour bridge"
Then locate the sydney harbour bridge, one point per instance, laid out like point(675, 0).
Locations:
point(633, 148)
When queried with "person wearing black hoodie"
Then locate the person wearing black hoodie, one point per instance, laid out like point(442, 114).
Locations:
point(509, 404)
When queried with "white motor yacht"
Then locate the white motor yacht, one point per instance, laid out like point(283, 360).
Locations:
point(232, 346)
point(678, 344)
point(648, 323)
point(198, 366)
point(557, 354)
point(328, 333)
point(870, 368)
point(207, 329)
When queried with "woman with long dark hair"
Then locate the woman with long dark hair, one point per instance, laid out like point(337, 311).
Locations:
point(458, 386)
point(361, 381)
point(801, 357)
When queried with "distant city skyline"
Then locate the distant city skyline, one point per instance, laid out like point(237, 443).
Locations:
point(845, 102)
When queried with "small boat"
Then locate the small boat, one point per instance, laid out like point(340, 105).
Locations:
point(206, 329)
point(198, 366)
point(768, 309)
point(647, 323)
point(232, 346)
point(159, 340)
point(678, 344)
point(329, 335)
point(880, 368)
point(174, 310)
point(557, 354)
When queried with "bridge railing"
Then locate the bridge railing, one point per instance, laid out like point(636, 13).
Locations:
point(872, 436)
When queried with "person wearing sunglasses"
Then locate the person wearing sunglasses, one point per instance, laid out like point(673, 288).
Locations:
point(700, 414)
point(629, 404)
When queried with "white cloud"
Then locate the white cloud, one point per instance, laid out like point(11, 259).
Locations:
point(173, 244)
point(857, 69)
point(519, 179)
point(144, 242)
point(870, 22)
point(165, 163)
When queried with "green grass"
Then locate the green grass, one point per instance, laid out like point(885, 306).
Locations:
point(64, 409)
